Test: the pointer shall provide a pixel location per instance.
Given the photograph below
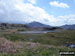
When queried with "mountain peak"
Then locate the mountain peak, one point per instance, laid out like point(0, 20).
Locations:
point(37, 24)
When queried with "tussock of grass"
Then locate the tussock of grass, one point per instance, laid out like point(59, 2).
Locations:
point(8, 48)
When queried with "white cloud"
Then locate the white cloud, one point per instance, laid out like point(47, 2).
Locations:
point(57, 4)
point(62, 20)
point(67, 19)
point(32, 1)
point(34, 13)
point(18, 11)
point(15, 11)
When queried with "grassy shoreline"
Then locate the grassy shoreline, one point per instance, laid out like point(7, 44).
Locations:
point(36, 44)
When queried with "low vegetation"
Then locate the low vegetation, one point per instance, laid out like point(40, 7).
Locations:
point(15, 44)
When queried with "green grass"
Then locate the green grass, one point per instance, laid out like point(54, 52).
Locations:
point(58, 41)
point(59, 38)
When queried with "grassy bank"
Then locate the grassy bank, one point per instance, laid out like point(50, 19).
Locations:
point(35, 44)
point(57, 39)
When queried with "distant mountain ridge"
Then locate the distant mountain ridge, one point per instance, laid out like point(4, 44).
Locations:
point(37, 24)
point(69, 27)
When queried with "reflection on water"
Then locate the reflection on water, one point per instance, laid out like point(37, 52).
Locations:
point(36, 32)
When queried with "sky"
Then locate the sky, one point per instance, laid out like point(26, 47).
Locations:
point(50, 12)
